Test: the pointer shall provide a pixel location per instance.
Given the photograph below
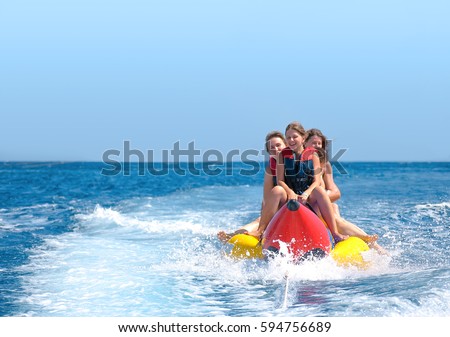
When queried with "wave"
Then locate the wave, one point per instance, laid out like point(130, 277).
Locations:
point(26, 218)
point(201, 211)
point(158, 256)
point(106, 216)
point(442, 205)
point(439, 212)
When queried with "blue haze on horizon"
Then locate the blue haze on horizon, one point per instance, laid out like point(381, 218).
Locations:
point(78, 78)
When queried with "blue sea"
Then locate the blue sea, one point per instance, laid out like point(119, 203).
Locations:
point(75, 241)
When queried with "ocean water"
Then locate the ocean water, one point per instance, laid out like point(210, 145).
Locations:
point(75, 242)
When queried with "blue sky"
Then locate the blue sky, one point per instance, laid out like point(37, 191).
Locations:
point(80, 77)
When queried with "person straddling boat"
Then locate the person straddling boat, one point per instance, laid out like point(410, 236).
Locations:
point(274, 143)
point(316, 139)
point(299, 173)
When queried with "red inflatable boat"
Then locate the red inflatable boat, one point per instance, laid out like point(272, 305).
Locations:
point(297, 227)
point(297, 231)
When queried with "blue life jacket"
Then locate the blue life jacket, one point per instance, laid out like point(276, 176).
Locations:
point(298, 174)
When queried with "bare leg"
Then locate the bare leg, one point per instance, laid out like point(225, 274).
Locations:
point(319, 197)
point(276, 198)
point(346, 227)
point(336, 209)
point(251, 226)
point(378, 248)
point(350, 229)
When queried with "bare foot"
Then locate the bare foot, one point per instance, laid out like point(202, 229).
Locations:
point(224, 237)
point(370, 239)
point(379, 249)
point(338, 237)
point(255, 234)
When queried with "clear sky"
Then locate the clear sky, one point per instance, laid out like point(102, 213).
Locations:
point(80, 77)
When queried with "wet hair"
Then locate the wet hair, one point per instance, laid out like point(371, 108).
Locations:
point(296, 126)
point(274, 134)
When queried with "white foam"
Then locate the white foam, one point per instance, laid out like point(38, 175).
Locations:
point(8, 227)
point(142, 258)
point(101, 216)
point(438, 206)
point(439, 212)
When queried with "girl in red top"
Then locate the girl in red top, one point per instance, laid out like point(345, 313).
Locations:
point(302, 183)
point(273, 195)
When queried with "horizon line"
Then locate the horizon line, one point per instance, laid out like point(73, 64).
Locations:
point(212, 162)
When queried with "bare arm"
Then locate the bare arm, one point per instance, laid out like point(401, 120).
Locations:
point(332, 190)
point(268, 182)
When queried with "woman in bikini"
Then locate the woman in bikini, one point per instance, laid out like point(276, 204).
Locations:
point(315, 138)
point(299, 173)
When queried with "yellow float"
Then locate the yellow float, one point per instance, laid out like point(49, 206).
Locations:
point(305, 235)
point(345, 253)
point(245, 247)
point(348, 252)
